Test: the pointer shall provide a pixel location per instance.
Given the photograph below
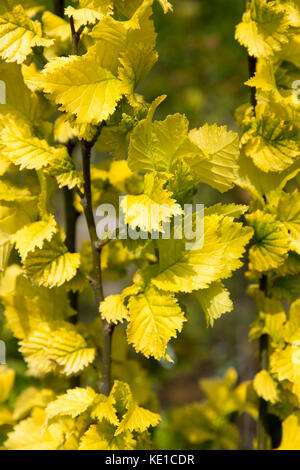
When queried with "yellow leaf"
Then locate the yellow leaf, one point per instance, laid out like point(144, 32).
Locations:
point(73, 403)
point(29, 5)
point(260, 183)
point(282, 364)
point(215, 301)
point(166, 5)
point(272, 143)
point(6, 416)
point(30, 434)
point(81, 86)
point(271, 241)
point(289, 215)
point(104, 409)
point(186, 270)
point(263, 28)
point(63, 131)
point(31, 398)
point(113, 309)
point(156, 146)
point(18, 35)
point(6, 246)
point(21, 147)
point(132, 416)
point(56, 27)
point(101, 437)
point(90, 11)
point(265, 386)
point(26, 305)
point(52, 265)
point(34, 235)
point(291, 433)
point(154, 319)
point(119, 172)
point(137, 419)
point(221, 149)
point(56, 347)
point(150, 210)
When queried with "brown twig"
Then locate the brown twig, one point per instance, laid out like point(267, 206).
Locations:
point(71, 216)
point(104, 385)
point(75, 36)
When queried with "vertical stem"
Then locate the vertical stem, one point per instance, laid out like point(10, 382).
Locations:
point(104, 385)
point(59, 7)
point(89, 216)
point(71, 216)
point(263, 438)
point(75, 36)
point(252, 68)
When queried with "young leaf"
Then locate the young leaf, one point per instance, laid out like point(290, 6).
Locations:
point(271, 242)
point(291, 432)
point(81, 86)
point(150, 210)
point(73, 403)
point(289, 215)
point(31, 398)
point(102, 437)
point(137, 419)
point(104, 409)
point(113, 309)
point(221, 150)
point(272, 143)
point(18, 35)
point(154, 146)
point(263, 28)
point(34, 235)
point(30, 434)
point(57, 347)
point(154, 319)
point(23, 148)
point(265, 386)
point(215, 301)
point(52, 265)
point(90, 11)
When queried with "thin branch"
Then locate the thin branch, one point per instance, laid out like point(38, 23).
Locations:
point(263, 437)
point(252, 69)
point(73, 31)
point(104, 385)
point(71, 216)
point(75, 36)
point(90, 220)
